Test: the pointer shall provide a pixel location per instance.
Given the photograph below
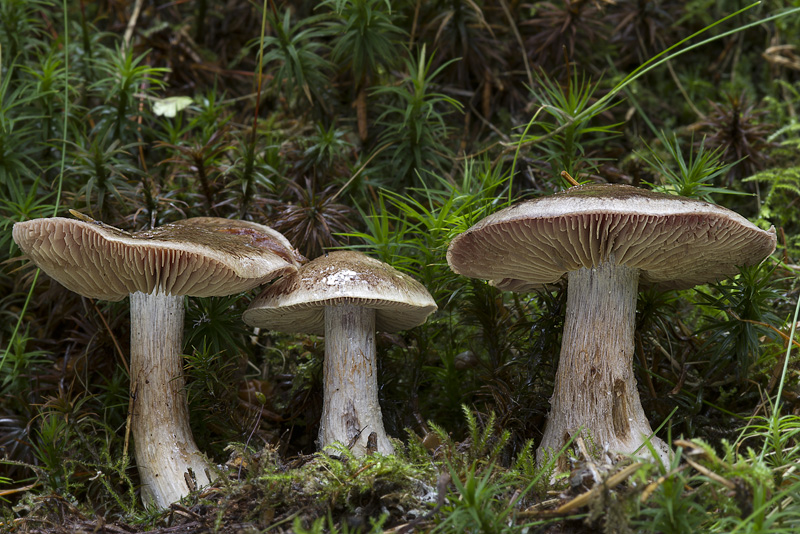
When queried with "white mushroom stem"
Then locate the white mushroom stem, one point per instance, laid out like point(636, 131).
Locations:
point(595, 388)
point(170, 464)
point(350, 411)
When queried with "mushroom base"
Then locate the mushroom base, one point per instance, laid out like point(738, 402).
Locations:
point(170, 464)
point(595, 389)
point(351, 412)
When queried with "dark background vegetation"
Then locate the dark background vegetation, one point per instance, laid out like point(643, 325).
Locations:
point(390, 127)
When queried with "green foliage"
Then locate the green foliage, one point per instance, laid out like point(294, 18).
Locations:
point(780, 201)
point(294, 56)
point(477, 507)
point(77, 114)
point(566, 129)
point(671, 512)
point(741, 309)
point(105, 168)
point(365, 36)
point(695, 176)
point(122, 76)
point(20, 26)
point(18, 361)
point(46, 84)
point(413, 122)
point(216, 320)
point(326, 149)
point(17, 132)
point(250, 173)
point(22, 205)
point(411, 231)
point(327, 525)
point(484, 446)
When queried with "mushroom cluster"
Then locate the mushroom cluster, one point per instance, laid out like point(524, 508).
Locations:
point(607, 240)
point(202, 257)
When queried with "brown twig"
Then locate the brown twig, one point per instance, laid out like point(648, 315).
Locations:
point(113, 339)
point(610, 483)
point(711, 474)
point(518, 37)
point(126, 40)
point(565, 175)
point(131, 398)
point(760, 323)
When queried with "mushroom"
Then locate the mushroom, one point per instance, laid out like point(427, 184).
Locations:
point(202, 257)
point(607, 240)
point(345, 295)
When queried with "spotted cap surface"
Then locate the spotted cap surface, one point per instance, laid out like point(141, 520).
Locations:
point(297, 303)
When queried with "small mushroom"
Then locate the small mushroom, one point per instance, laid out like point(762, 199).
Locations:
point(203, 257)
point(346, 296)
point(607, 240)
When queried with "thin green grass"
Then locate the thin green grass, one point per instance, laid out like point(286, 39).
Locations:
point(59, 182)
point(603, 103)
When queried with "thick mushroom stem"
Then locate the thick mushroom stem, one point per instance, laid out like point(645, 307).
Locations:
point(595, 388)
point(170, 464)
point(351, 411)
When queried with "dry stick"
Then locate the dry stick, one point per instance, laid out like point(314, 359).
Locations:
point(653, 486)
point(414, 25)
point(364, 166)
point(678, 83)
point(565, 175)
point(126, 40)
point(131, 398)
point(258, 77)
point(759, 323)
point(683, 91)
point(696, 450)
point(511, 147)
point(113, 339)
point(786, 258)
point(711, 474)
point(642, 361)
point(489, 125)
point(511, 23)
point(11, 491)
point(613, 481)
point(585, 498)
point(523, 144)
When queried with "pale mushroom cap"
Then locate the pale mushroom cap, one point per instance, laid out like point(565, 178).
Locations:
point(296, 303)
point(202, 256)
point(675, 242)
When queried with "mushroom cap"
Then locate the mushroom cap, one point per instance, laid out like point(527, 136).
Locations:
point(676, 242)
point(201, 256)
point(296, 303)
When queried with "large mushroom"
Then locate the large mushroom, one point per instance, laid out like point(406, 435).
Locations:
point(201, 257)
point(346, 296)
point(607, 240)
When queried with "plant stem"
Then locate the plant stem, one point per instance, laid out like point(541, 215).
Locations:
point(351, 411)
point(169, 462)
point(595, 389)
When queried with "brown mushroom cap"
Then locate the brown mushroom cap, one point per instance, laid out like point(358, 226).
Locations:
point(675, 242)
point(296, 303)
point(201, 256)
